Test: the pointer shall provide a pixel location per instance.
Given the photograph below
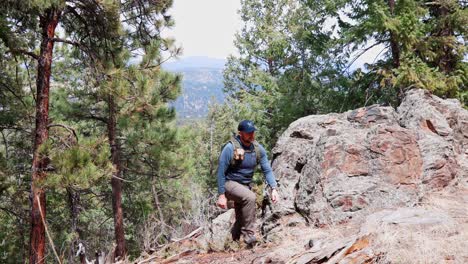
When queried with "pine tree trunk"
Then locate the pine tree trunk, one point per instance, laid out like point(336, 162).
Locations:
point(74, 203)
point(447, 60)
point(23, 234)
point(48, 23)
point(5, 143)
point(211, 148)
point(157, 204)
point(393, 40)
point(116, 183)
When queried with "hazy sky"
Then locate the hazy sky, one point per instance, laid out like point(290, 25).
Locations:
point(205, 27)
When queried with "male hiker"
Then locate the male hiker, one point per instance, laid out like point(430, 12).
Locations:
point(237, 163)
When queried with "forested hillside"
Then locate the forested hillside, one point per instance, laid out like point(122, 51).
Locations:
point(202, 85)
point(90, 152)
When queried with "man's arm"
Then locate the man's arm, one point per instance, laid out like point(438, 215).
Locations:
point(268, 172)
point(266, 168)
point(224, 160)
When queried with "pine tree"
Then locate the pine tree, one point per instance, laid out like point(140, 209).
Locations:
point(48, 16)
point(128, 98)
point(94, 30)
point(423, 43)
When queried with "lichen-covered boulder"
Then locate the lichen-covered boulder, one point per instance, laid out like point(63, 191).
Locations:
point(336, 167)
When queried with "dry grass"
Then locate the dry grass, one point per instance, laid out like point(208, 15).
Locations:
point(445, 242)
point(419, 244)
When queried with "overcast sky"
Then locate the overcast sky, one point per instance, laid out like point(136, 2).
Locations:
point(205, 27)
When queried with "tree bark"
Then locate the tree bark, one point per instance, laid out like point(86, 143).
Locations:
point(393, 40)
point(74, 203)
point(5, 142)
point(157, 204)
point(116, 183)
point(48, 23)
point(211, 147)
point(447, 61)
point(22, 230)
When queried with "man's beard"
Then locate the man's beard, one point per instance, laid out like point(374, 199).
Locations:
point(247, 140)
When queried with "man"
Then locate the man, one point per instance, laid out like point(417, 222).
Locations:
point(237, 163)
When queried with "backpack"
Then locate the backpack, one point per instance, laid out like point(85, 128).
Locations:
point(236, 144)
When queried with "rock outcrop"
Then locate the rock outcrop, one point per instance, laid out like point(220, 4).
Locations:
point(336, 167)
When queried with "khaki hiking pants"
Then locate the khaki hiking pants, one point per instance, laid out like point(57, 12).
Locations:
point(244, 206)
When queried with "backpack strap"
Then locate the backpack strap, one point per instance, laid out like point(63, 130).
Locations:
point(258, 153)
point(236, 145)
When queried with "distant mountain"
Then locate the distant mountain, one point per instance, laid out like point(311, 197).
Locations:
point(202, 83)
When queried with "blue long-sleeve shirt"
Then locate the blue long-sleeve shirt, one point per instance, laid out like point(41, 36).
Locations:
point(244, 172)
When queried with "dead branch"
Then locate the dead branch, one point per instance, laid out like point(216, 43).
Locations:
point(171, 258)
point(178, 256)
point(71, 130)
point(47, 231)
point(25, 52)
point(194, 233)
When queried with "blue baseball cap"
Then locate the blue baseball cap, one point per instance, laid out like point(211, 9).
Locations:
point(246, 126)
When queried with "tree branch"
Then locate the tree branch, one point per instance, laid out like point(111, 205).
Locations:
point(24, 52)
point(362, 53)
point(29, 80)
point(90, 116)
point(9, 211)
point(79, 45)
point(113, 176)
point(67, 41)
point(14, 94)
point(71, 130)
point(11, 127)
point(102, 119)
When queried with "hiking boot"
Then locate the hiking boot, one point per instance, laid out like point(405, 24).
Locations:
point(250, 240)
point(235, 232)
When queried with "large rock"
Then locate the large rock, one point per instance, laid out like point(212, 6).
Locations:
point(218, 234)
point(442, 129)
point(336, 167)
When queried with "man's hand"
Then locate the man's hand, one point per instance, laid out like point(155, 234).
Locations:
point(222, 201)
point(274, 196)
